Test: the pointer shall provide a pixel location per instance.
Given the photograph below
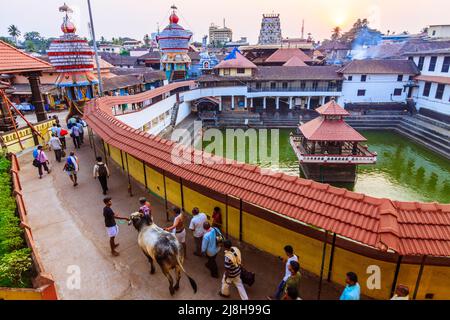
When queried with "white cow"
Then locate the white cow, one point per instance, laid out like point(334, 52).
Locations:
point(163, 247)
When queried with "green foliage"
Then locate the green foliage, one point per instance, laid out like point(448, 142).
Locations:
point(13, 267)
point(15, 258)
point(8, 41)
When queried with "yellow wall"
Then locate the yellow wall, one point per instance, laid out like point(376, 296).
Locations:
point(12, 143)
point(19, 294)
point(272, 238)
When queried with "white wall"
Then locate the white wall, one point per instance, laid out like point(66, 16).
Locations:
point(437, 71)
point(379, 88)
point(442, 106)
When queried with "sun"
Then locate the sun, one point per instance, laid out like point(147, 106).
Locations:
point(339, 19)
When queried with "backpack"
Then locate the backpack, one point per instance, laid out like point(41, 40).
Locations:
point(219, 237)
point(102, 172)
point(35, 153)
point(70, 166)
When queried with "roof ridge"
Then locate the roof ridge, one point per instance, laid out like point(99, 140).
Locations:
point(389, 228)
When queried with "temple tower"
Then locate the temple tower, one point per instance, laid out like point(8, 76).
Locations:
point(270, 33)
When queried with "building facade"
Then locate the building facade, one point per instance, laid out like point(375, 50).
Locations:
point(433, 90)
point(219, 36)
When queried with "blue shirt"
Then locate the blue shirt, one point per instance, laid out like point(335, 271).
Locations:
point(351, 292)
point(209, 243)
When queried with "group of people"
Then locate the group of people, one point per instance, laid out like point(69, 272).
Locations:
point(77, 126)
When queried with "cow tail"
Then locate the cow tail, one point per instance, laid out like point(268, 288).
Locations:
point(192, 281)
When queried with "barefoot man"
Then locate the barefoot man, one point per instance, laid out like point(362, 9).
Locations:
point(178, 228)
point(111, 226)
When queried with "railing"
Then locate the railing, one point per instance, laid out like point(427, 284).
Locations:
point(368, 158)
point(295, 89)
point(44, 285)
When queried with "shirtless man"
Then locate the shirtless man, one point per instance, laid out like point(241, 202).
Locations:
point(178, 228)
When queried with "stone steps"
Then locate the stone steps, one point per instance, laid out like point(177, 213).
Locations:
point(436, 147)
point(437, 136)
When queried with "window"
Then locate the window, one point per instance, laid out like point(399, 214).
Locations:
point(427, 89)
point(446, 65)
point(258, 85)
point(411, 58)
point(303, 85)
point(350, 78)
point(433, 61)
point(421, 62)
point(273, 85)
point(400, 78)
point(241, 70)
point(226, 72)
point(398, 92)
point(361, 93)
point(410, 78)
point(364, 78)
point(315, 85)
point(440, 91)
point(285, 85)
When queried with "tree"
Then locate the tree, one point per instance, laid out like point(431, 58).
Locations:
point(8, 41)
point(336, 33)
point(32, 36)
point(14, 32)
point(30, 46)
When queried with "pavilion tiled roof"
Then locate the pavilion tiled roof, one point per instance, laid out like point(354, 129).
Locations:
point(380, 67)
point(13, 60)
point(437, 79)
point(407, 228)
point(332, 109)
point(321, 129)
point(295, 62)
point(283, 55)
point(239, 62)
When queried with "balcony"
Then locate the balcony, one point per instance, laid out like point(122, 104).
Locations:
point(296, 89)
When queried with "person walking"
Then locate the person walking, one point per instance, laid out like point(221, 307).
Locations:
point(75, 134)
point(210, 248)
point(146, 209)
point(72, 167)
point(217, 218)
point(101, 172)
point(294, 277)
point(55, 144)
point(62, 136)
point(232, 275)
point(352, 290)
point(112, 228)
point(81, 125)
point(290, 256)
point(178, 228)
point(196, 225)
point(41, 161)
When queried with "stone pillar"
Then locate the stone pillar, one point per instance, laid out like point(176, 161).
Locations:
point(309, 103)
point(277, 102)
point(251, 102)
point(245, 102)
point(220, 103)
point(322, 101)
point(36, 96)
point(6, 123)
point(264, 103)
point(291, 100)
point(232, 102)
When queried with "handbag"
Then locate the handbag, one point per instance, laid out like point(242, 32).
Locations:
point(247, 277)
point(63, 133)
point(63, 154)
point(36, 163)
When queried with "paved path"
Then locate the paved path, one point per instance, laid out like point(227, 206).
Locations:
point(68, 227)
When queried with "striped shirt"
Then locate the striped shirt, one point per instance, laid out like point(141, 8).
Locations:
point(232, 263)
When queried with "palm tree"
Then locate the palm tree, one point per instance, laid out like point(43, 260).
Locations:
point(14, 32)
point(336, 33)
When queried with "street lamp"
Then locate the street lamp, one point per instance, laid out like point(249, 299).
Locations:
point(92, 30)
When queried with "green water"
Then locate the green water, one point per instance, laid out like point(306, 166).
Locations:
point(405, 171)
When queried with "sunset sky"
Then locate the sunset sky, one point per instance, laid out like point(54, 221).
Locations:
point(134, 18)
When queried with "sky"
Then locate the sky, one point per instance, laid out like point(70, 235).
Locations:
point(135, 18)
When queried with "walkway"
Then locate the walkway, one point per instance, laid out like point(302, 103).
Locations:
point(68, 228)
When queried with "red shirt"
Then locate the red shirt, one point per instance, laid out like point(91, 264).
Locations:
point(217, 218)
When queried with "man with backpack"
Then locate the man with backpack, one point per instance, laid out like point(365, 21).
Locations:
point(71, 168)
point(101, 172)
point(233, 268)
point(40, 161)
point(210, 247)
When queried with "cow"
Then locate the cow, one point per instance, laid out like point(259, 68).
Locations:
point(163, 247)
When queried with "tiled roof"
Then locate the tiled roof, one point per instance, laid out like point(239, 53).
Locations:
point(298, 73)
point(321, 129)
point(239, 62)
point(13, 60)
point(283, 55)
point(119, 82)
point(380, 67)
point(335, 45)
point(332, 109)
point(295, 62)
point(437, 79)
point(407, 228)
